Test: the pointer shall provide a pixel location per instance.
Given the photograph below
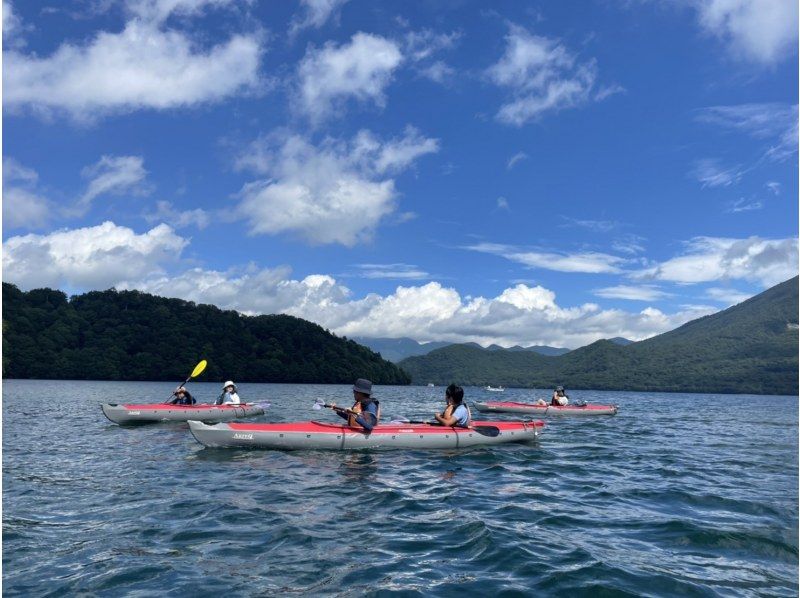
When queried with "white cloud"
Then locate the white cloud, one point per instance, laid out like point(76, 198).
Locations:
point(335, 193)
point(727, 296)
point(159, 11)
point(502, 204)
point(515, 159)
point(95, 257)
point(421, 45)
point(361, 69)
point(113, 175)
point(438, 72)
point(762, 31)
point(315, 13)
point(166, 212)
point(139, 67)
point(519, 315)
point(774, 186)
point(391, 271)
point(542, 75)
point(629, 243)
point(766, 261)
point(600, 226)
point(23, 205)
point(12, 27)
point(710, 173)
point(774, 122)
point(588, 262)
point(744, 205)
point(632, 293)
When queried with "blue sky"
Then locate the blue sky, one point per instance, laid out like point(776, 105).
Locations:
point(529, 174)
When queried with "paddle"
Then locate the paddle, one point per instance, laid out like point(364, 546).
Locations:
point(198, 369)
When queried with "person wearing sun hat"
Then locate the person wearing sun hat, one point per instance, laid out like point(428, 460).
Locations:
point(560, 397)
point(365, 412)
point(229, 395)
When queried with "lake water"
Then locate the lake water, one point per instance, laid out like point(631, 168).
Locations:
point(676, 495)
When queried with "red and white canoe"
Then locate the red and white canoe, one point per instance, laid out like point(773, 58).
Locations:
point(318, 435)
point(158, 412)
point(541, 410)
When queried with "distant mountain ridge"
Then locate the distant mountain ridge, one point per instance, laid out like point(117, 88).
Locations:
point(397, 349)
point(751, 347)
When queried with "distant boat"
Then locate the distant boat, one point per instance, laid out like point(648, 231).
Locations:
point(495, 389)
point(431, 384)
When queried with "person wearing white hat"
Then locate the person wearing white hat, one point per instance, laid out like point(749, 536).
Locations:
point(229, 395)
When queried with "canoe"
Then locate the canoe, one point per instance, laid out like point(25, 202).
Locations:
point(539, 410)
point(155, 412)
point(319, 435)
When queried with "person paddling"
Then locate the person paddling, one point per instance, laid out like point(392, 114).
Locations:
point(229, 395)
point(456, 413)
point(560, 397)
point(365, 412)
point(182, 397)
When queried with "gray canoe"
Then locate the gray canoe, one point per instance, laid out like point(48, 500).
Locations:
point(154, 412)
point(318, 435)
point(541, 410)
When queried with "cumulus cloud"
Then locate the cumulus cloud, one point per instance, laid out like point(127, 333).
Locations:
point(337, 192)
point(315, 13)
point(360, 69)
point(140, 67)
point(159, 10)
point(95, 257)
point(706, 259)
point(23, 204)
point(519, 315)
point(542, 76)
point(588, 261)
point(113, 175)
point(166, 212)
point(762, 31)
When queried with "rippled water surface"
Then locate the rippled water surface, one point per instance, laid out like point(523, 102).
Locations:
point(676, 495)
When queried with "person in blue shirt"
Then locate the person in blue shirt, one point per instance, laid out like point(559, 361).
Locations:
point(365, 412)
point(182, 397)
point(456, 413)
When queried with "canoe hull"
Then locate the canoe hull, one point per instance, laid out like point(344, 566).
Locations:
point(541, 410)
point(321, 436)
point(149, 413)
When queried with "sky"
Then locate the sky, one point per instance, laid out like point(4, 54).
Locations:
point(534, 173)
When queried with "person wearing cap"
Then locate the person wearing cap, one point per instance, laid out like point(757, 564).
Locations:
point(229, 395)
point(560, 397)
point(182, 397)
point(365, 412)
point(456, 413)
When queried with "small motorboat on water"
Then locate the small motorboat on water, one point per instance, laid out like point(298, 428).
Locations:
point(539, 410)
point(431, 385)
point(491, 388)
point(319, 435)
point(160, 412)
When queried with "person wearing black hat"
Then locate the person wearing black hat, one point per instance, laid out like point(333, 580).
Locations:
point(456, 413)
point(365, 412)
point(560, 397)
point(182, 397)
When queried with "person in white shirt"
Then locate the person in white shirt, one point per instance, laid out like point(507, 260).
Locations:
point(560, 397)
point(229, 395)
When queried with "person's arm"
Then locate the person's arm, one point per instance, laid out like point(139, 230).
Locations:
point(367, 419)
point(446, 421)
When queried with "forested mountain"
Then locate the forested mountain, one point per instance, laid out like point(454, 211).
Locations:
point(748, 348)
point(129, 335)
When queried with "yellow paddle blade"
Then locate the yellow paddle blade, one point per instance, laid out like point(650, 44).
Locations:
point(198, 369)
